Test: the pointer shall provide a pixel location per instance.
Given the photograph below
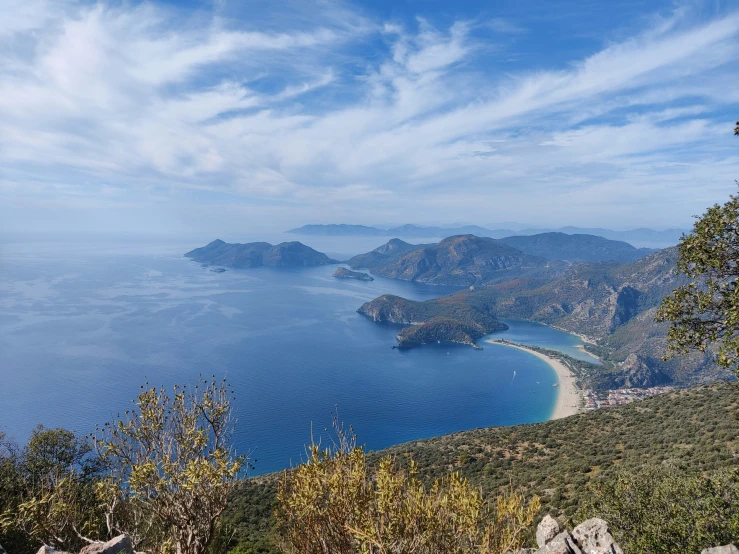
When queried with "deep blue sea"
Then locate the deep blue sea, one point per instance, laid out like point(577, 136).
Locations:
point(81, 328)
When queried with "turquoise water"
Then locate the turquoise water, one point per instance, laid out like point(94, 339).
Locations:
point(81, 330)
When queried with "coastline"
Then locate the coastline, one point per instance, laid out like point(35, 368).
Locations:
point(568, 399)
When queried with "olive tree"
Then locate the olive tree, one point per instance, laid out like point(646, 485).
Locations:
point(705, 311)
point(170, 466)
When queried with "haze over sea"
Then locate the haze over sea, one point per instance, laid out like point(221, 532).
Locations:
point(83, 326)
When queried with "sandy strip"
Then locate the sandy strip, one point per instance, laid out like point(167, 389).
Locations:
point(568, 399)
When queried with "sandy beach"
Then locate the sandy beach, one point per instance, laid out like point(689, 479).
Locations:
point(568, 399)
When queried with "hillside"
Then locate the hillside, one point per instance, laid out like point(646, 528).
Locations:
point(614, 304)
point(690, 431)
point(459, 260)
point(446, 318)
point(257, 254)
point(576, 248)
point(383, 255)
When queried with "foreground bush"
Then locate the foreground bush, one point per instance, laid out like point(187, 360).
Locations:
point(335, 504)
point(162, 474)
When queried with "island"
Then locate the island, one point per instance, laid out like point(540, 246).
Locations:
point(218, 269)
point(258, 254)
point(344, 273)
point(451, 319)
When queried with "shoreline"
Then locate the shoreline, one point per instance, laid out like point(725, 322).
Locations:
point(568, 399)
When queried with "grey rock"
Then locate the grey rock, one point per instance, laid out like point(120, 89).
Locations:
point(593, 537)
point(48, 550)
point(564, 543)
point(119, 545)
point(728, 549)
point(547, 530)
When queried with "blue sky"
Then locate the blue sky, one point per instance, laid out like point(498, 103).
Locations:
point(227, 116)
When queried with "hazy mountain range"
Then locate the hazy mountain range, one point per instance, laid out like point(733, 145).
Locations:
point(642, 237)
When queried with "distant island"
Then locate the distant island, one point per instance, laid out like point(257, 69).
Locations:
point(344, 273)
point(218, 269)
point(635, 237)
point(441, 319)
point(259, 254)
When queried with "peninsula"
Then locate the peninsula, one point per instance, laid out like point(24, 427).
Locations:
point(258, 254)
point(440, 319)
point(344, 273)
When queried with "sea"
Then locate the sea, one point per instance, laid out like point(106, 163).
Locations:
point(84, 326)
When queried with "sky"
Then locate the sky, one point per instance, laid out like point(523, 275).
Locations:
point(166, 117)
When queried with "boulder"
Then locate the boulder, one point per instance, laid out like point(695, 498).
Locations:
point(564, 543)
point(119, 545)
point(728, 549)
point(593, 537)
point(547, 530)
point(46, 550)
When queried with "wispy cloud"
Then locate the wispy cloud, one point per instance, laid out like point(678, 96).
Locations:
point(356, 116)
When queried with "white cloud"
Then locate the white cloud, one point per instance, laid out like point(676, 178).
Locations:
point(143, 98)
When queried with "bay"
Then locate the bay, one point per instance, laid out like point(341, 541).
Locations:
point(82, 328)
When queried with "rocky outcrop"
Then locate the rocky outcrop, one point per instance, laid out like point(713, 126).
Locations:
point(119, 545)
point(728, 549)
point(547, 530)
point(590, 537)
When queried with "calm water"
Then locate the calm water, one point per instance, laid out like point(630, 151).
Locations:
point(80, 330)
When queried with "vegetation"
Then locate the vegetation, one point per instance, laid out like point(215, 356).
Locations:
point(161, 474)
point(686, 433)
point(335, 503)
point(705, 311)
point(661, 512)
point(462, 317)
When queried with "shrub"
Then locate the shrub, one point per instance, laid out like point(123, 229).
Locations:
point(334, 504)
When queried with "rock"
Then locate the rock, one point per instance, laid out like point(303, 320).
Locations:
point(45, 550)
point(119, 545)
point(564, 543)
point(728, 549)
point(593, 537)
point(547, 530)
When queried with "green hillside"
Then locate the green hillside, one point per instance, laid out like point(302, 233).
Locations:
point(682, 433)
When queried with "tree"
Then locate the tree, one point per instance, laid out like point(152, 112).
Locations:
point(55, 501)
point(706, 310)
point(170, 467)
point(334, 503)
